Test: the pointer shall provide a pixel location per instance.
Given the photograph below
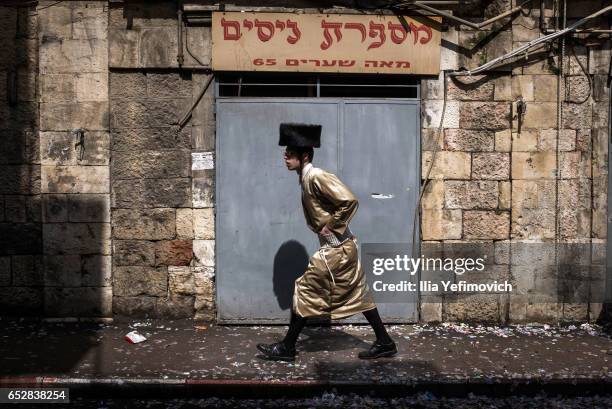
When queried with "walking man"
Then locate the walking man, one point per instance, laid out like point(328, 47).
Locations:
point(334, 283)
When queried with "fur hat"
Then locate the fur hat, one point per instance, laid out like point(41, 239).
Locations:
point(300, 135)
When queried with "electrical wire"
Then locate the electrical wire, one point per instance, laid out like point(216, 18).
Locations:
point(187, 47)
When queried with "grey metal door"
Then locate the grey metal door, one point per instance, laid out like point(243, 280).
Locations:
point(262, 241)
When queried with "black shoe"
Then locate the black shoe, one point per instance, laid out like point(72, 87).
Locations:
point(277, 351)
point(378, 350)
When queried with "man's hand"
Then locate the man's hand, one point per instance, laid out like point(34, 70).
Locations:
point(325, 230)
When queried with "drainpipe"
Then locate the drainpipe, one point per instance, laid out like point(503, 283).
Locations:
point(179, 24)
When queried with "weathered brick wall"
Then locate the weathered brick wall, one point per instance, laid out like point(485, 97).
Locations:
point(493, 183)
point(162, 209)
point(21, 274)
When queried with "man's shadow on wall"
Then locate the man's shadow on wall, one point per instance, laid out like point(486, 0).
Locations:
point(290, 262)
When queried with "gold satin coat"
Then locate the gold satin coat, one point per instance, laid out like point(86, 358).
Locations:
point(334, 282)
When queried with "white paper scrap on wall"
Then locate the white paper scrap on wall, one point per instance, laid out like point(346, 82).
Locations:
point(202, 161)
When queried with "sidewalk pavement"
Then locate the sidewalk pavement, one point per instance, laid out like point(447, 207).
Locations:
point(185, 355)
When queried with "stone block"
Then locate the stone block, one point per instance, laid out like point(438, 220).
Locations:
point(447, 165)
point(474, 308)
point(432, 112)
point(440, 224)
point(433, 196)
point(89, 23)
point(137, 281)
point(204, 253)
point(91, 86)
point(523, 87)
point(65, 116)
point(73, 56)
point(128, 84)
point(468, 140)
point(20, 179)
point(58, 148)
point(547, 140)
point(55, 22)
point(600, 114)
point(529, 165)
point(539, 115)
point(533, 194)
point(480, 224)
point(503, 88)
point(169, 85)
point(63, 271)
point(133, 253)
point(505, 195)
point(55, 208)
point(493, 166)
point(57, 87)
point(151, 164)
point(485, 115)
point(526, 141)
point(75, 179)
point(136, 307)
point(601, 89)
point(176, 306)
point(576, 116)
point(599, 59)
point(21, 301)
point(127, 193)
point(173, 192)
point(22, 238)
point(575, 164)
point(27, 270)
point(96, 270)
point(145, 224)
point(123, 51)
point(184, 224)
point(158, 47)
point(203, 188)
point(473, 88)
point(89, 208)
point(545, 88)
point(503, 140)
point(129, 114)
point(431, 309)
point(577, 88)
point(127, 139)
point(470, 194)
point(166, 112)
point(15, 208)
point(575, 193)
point(78, 302)
point(181, 281)
point(77, 238)
point(5, 271)
point(204, 223)
point(574, 223)
point(533, 224)
point(27, 85)
point(173, 252)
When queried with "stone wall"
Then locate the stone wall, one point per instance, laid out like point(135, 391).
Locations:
point(73, 85)
point(162, 207)
point(21, 271)
point(495, 179)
